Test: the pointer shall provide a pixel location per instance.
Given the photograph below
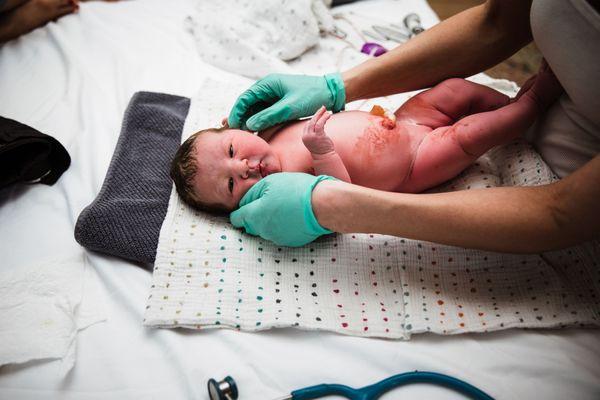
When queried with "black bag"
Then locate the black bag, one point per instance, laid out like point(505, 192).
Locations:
point(27, 155)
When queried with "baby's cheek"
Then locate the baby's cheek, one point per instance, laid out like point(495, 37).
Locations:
point(244, 188)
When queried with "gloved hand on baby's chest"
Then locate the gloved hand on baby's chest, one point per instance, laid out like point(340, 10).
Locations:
point(278, 208)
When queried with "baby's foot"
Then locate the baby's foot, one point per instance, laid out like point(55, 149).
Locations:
point(545, 89)
point(31, 15)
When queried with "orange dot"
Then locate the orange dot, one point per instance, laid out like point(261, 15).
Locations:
point(440, 302)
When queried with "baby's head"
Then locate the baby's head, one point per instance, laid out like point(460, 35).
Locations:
point(214, 168)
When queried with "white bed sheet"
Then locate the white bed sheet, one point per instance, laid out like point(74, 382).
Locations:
point(73, 79)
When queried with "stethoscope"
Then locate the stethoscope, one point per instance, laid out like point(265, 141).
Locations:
point(227, 388)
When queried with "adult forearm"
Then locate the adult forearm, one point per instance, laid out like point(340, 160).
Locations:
point(460, 46)
point(492, 219)
point(515, 219)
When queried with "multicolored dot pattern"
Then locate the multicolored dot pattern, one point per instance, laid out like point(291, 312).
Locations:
point(208, 274)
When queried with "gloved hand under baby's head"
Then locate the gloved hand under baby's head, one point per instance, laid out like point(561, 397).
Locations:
point(214, 168)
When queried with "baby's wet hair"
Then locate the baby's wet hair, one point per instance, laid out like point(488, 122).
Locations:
point(183, 170)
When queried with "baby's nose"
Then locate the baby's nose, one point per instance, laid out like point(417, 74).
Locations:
point(253, 164)
point(245, 168)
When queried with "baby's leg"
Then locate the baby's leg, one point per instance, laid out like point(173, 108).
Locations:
point(480, 132)
point(446, 151)
point(450, 100)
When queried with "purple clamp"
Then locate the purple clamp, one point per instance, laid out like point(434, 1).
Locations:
point(373, 49)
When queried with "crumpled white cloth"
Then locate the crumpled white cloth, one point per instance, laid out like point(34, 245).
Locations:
point(263, 34)
point(43, 306)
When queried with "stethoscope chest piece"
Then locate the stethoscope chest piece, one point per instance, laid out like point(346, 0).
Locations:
point(222, 390)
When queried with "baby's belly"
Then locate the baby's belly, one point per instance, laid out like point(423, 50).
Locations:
point(375, 155)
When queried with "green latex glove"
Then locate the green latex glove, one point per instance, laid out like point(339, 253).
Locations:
point(278, 208)
point(278, 98)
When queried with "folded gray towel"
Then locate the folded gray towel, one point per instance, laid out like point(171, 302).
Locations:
point(125, 218)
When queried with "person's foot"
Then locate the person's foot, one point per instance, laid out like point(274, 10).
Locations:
point(31, 15)
point(543, 88)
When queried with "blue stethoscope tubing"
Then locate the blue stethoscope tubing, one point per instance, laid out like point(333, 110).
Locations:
point(376, 390)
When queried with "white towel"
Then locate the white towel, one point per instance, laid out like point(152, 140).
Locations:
point(43, 306)
point(254, 38)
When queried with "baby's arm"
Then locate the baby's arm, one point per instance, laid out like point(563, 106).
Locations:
point(326, 161)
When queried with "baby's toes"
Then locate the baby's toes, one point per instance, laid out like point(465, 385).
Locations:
point(547, 85)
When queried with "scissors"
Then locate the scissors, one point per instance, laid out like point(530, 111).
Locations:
point(227, 389)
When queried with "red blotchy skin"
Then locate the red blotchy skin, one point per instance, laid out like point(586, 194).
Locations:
point(436, 135)
point(376, 152)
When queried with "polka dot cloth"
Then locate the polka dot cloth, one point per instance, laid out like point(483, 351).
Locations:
point(253, 38)
point(208, 274)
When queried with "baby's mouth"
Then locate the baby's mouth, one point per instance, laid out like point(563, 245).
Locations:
point(263, 173)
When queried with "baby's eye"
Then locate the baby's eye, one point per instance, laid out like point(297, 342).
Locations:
point(230, 185)
point(231, 150)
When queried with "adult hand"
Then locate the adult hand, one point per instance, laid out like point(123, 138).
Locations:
point(278, 98)
point(278, 208)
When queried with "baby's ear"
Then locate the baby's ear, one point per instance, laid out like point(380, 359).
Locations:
point(225, 123)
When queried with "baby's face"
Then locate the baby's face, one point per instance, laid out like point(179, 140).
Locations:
point(228, 164)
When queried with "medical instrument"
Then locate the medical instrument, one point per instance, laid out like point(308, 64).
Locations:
point(391, 34)
point(338, 33)
point(373, 49)
point(227, 389)
point(412, 22)
point(412, 27)
point(372, 35)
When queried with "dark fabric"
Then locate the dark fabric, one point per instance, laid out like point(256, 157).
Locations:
point(28, 155)
point(125, 219)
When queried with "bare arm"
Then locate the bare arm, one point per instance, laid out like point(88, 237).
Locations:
point(513, 219)
point(460, 46)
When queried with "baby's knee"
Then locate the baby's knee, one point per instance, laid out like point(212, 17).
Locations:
point(454, 83)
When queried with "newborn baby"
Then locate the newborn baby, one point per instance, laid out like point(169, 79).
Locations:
point(431, 138)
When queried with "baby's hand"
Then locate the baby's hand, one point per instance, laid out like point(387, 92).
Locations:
point(314, 137)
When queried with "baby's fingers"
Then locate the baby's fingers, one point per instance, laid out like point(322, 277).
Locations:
point(320, 125)
point(311, 124)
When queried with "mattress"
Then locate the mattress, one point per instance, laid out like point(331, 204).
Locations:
point(73, 79)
